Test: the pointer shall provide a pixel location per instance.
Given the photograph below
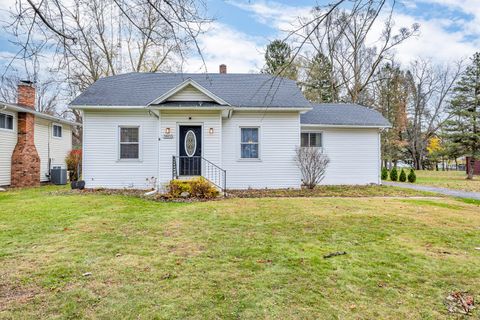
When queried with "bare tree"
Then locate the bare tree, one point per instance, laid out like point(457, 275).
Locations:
point(345, 37)
point(312, 163)
point(431, 87)
point(91, 39)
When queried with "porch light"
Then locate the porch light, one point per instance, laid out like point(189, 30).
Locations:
point(167, 130)
point(210, 131)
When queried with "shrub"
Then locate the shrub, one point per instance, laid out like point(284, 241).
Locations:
point(312, 163)
point(384, 173)
point(203, 189)
point(394, 174)
point(176, 187)
point(403, 176)
point(74, 162)
point(412, 177)
point(197, 188)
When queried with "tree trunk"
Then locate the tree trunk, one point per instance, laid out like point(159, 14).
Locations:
point(471, 168)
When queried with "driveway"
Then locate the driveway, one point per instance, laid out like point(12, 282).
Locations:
point(445, 191)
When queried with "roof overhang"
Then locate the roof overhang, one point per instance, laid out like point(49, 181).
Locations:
point(41, 115)
point(181, 86)
point(353, 126)
point(99, 107)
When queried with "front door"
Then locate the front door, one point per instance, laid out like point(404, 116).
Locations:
point(190, 149)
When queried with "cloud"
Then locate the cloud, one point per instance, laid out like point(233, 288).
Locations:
point(274, 14)
point(440, 39)
point(224, 44)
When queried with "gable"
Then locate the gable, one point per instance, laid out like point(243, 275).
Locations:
point(189, 93)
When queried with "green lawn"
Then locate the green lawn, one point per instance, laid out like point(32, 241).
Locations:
point(448, 179)
point(236, 258)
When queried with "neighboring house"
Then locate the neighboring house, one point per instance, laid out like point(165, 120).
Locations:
point(237, 130)
point(31, 142)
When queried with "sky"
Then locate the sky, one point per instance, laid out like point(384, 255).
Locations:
point(449, 30)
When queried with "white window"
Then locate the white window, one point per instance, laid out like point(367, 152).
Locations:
point(249, 143)
point(129, 143)
point(6, 121)
point(311, 139)
point(57, 131)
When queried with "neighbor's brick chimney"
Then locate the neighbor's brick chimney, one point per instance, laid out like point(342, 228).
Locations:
point(25, 159)
point(223, 68)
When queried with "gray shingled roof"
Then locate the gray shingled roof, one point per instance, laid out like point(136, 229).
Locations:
point(343, 114)
point(238, 90)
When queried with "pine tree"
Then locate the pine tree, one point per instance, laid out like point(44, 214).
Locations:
point(464, 126)
point(319, 83)
point(278, 60)
point(392, 92)
point(403, 176)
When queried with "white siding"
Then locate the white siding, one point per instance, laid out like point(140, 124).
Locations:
point(279, 136)
point(51, 147)
point(101, 166)
point(8, 140)
point(211, 143)
point(354, 155)
point(189, 93)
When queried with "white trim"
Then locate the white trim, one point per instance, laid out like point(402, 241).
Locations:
point(267, 109)
point(140, 142)
point(239, 157)
point(40, 114)
point(341, 126)
point(181, 86)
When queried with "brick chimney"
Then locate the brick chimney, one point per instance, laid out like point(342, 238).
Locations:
point(223, 68)
point(25, 160)
point(26, 94)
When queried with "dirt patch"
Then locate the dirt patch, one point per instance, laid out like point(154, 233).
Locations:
point(15, 294)
point(186, 249)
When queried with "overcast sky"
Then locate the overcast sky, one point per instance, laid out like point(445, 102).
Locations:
point(450, 29)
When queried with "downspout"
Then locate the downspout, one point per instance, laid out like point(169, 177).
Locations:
point(157, 186)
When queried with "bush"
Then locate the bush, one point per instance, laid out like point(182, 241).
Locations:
point(176, 187)
point(384, 173)
point(74, 162)
point(403, 176)
point(203, 189)
point(312, 163)
point(394, 174)
point(412, 177)
point(197, 188)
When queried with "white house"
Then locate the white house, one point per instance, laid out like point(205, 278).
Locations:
point(31, 142)
point(237, 130)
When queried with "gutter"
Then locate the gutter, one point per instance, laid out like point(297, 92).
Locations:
point(39, 114)
point(311, 125)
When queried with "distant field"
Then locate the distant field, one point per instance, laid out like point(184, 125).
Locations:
point(448, 179)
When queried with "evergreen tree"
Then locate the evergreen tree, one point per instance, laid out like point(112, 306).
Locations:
point(278, 60)
point(319, 83)
point(392, 93)
point(464, 127)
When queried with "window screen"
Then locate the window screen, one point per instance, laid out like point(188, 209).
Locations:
point(6, 121)
point(311, 139)
point(129, 143)
point(57, 131)
point(249, 143)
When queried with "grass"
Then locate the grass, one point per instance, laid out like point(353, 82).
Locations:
point(332, 191)
point(236, 258)
point(447, 179)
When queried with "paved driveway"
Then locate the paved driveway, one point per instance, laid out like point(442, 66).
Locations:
point(445, 191)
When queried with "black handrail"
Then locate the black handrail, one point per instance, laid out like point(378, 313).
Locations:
point(200, 166)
